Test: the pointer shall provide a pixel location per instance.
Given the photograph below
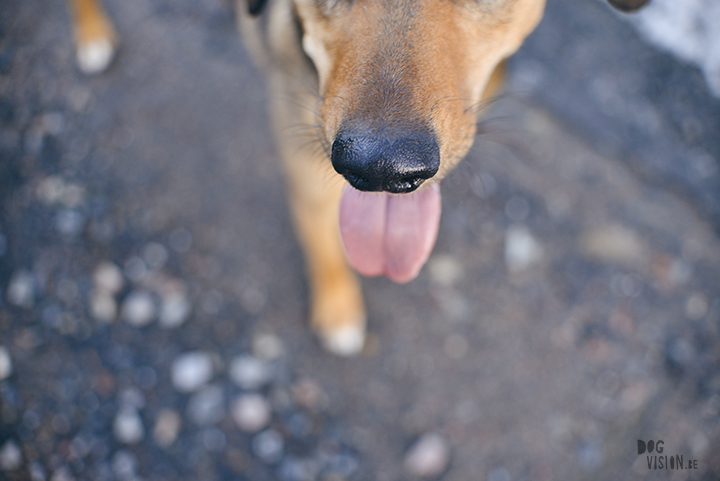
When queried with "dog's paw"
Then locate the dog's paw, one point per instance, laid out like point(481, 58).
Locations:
point(95, 55)
point(338, 316)
point(345, 340)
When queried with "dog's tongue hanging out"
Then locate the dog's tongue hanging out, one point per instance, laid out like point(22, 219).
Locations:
point(390, 234)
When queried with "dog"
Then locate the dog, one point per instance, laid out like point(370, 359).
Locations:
point(388, 92)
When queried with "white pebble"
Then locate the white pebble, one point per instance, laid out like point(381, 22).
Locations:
point(613, 243)
point(174, 310)
point(249, 372)
point(445, 269)
point(10, 456)
point(128, 426)
point(191, 371)
point(251, 412)
point(139, 308)
point(5, 363)
point(50, 189)
point(21, 290)
point(167, 428)
point(103, 307)
point(429, 457)
point(108, 277)
point(521, 248)
point(207, 406)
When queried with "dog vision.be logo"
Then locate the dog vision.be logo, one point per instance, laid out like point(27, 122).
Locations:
point(663, 461)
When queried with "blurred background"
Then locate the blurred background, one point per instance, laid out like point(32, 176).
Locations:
point(153, 303)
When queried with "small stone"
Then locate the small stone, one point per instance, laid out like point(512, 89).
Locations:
point(445, 269)
point(191, 371)
point(207, 406)
point(108, 277)
point(167, 428)
point(251, 412)
point(155, 255)
point(132, 397)
point(50, 189)
point(174, 310)
point(5, 363)
point(124, 465)
point(299, 425)
point(268, 446)
point(69, 222)
point(613, 243)
point(268, 347)
point(135, 269)
point(103, 307)
point(128, 426)
point(249, 372)
point(697, 306)
point(521, 248)
point(10, 456)
point(428, 457)
point(21, 289)
point(139, 308)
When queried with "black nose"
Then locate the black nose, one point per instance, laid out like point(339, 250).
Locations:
point(391, 163)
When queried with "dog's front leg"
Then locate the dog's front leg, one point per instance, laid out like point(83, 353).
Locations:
point(95, 38)
point(336, 307)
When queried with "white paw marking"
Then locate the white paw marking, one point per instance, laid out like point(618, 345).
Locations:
point(95, 56)
point(345, 341)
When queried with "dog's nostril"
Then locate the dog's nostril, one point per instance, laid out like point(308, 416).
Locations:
point(404, 186)
point(397, 164)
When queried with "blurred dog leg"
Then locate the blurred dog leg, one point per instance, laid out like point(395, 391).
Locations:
point(95, 38)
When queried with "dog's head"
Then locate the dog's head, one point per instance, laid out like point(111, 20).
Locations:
point(401, 80)
point(400, 84)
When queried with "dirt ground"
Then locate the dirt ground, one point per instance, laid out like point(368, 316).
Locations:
point(570, 309)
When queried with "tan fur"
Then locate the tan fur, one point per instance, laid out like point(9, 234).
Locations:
point(91, 21)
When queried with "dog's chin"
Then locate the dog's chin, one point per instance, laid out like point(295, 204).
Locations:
point(390, 234)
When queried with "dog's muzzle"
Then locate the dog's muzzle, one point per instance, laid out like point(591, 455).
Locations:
point(374, 162)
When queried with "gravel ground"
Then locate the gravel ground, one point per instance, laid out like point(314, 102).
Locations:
point(153, 305)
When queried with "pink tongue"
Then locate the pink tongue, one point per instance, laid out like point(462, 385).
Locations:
point(389, 234)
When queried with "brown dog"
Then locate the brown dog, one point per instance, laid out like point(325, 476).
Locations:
point(389, 89)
